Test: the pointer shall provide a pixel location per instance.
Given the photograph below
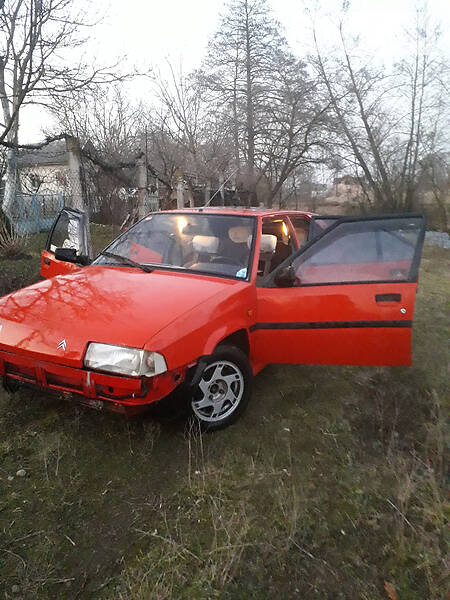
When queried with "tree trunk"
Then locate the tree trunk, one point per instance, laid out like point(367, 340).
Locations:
point(250, 117)
point(10, 182)
point(237, 157)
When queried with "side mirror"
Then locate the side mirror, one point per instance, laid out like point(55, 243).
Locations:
point(285, 277)
point(70, 255)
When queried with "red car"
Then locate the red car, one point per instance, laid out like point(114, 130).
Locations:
point(200, 300)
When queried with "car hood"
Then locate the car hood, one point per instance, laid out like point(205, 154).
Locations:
point(122, 306)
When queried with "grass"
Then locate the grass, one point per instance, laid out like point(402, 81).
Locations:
point(331, 486)
point(17, 273)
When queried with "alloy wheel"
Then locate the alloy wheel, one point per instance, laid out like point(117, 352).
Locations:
point(219, 392)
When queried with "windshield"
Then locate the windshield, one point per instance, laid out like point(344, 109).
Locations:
point(204, 243)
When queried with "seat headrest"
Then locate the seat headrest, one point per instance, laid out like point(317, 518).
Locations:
point(205, 243)
point(239, 234)
point(268, 243)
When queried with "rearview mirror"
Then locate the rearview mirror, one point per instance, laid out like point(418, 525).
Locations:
point(285, 277)
point(70, 255)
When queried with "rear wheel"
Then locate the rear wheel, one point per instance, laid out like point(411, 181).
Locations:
point(223, 390)
point(11, 386)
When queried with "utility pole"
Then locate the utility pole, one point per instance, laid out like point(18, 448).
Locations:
point(207, 192)
point(141, 166)
point(222, 188)
point(180, 193)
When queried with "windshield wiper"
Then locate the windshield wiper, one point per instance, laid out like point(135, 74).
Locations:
point(127, 261)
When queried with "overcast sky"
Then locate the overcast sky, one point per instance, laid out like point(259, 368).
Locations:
point(149, 31)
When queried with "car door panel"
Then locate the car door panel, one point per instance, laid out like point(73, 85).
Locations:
point(340, 310)
point(70, 230)
point(336, 324)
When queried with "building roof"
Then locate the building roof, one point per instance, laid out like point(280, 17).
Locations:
point(53, 154)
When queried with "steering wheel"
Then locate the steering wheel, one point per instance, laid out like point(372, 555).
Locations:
point(225, 260)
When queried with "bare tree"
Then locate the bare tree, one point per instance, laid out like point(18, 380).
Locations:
point(109, 128)
point(434, 178)
point(36, 37)
point(105, 118)
point(294, 119)
point(188, 132)
point(381, 118)
point(238, 70)
point(267, 95)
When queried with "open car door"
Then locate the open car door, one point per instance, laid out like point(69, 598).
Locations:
point(68, 244)
point(349, 296)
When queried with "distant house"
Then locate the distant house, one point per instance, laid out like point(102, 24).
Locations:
point(43, 185)
point(44, 171)
point(347, 187)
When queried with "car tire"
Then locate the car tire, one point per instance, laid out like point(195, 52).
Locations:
point(224, 389)
point(11, 386)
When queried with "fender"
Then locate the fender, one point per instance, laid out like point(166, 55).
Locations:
point(198, 332)
point(223, 332)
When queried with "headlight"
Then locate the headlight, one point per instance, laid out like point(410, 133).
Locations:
point(125, 361)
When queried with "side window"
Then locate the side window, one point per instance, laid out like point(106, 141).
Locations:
point(356, 251)
point(319, 225)
point(272, 255)
point(66, 233)
point(301, 227)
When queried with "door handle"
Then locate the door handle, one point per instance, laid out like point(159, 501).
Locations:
point(388, 297)
point(46, 261)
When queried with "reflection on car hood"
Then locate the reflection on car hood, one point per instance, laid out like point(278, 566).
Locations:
point(122, 306)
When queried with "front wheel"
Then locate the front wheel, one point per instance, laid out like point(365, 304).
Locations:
point(224, 389)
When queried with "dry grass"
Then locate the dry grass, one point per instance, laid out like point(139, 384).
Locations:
point(331, 486)
point(12, 243)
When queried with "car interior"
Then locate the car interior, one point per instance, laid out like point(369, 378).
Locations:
point(230, 249)
point(215, 245)
point(273, 253)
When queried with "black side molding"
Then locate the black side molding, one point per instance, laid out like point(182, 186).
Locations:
point(330, 325)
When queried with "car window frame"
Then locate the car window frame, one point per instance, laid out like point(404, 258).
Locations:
point(269, 280)
point(85, 244)
point(174, 269)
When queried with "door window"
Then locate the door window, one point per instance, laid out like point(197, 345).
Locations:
point(363, 250)
point(319, 225)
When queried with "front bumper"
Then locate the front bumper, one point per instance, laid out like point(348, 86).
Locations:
point(116, 392)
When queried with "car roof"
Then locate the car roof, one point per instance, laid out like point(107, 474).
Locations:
point(240, 210)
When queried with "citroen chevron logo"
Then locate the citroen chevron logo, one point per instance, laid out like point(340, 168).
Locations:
point(62, 345)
